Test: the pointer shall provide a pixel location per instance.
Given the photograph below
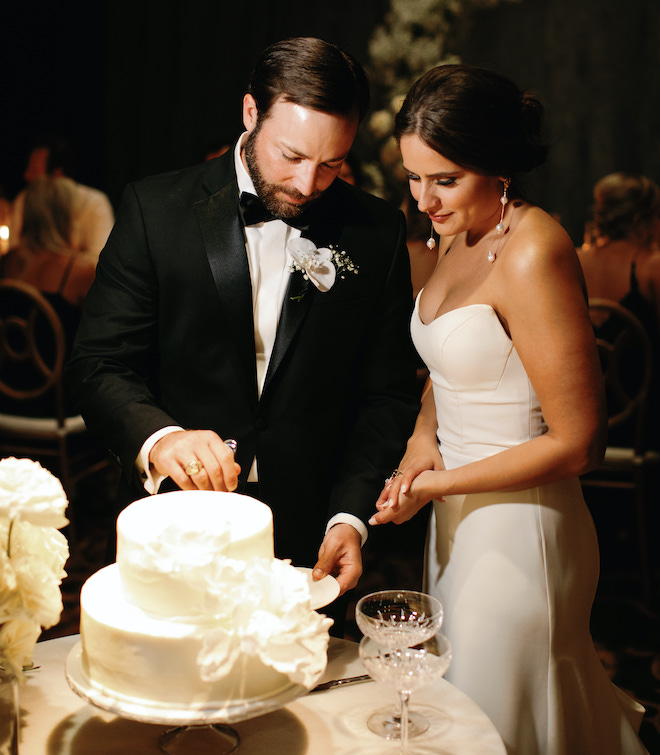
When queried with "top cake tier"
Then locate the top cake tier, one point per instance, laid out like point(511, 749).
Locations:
point(172, 548)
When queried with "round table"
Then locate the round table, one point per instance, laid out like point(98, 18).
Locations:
point(55, 721)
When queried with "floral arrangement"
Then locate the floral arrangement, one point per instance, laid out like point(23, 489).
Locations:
point(321, 266)
point(32, 557)
point(412, 39)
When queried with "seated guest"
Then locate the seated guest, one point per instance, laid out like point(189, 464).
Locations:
point(92, 213)
point(44, 259)
point(43, 255)
point(621, 262)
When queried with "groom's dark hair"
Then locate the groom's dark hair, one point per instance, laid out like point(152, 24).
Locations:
point(312, 73)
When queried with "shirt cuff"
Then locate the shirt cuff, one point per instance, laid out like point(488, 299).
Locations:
point(151, 479)
point(354, 521)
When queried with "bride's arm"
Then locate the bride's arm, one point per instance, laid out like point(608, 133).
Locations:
point(426, 426)
point(540, 298)
point(421, 455)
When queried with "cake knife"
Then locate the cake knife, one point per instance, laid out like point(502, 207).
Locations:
point(342, 682)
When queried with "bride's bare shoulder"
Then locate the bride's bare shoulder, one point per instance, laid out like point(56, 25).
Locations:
point(537, 233)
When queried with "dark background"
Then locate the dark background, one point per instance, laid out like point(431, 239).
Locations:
point(145, 86)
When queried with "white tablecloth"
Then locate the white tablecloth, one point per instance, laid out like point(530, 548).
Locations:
point(55, 721)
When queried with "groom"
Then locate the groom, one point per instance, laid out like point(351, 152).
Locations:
point(197, 330)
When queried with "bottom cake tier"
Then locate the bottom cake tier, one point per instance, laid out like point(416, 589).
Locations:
point(136, 656)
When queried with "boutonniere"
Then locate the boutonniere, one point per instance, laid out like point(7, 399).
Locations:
point(321, 266)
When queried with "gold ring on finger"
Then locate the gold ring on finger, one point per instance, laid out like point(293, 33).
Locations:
point(194, 467)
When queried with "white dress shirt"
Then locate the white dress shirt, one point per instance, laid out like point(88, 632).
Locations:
point(269, 262)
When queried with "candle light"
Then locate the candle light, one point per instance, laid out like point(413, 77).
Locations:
point(4, 239)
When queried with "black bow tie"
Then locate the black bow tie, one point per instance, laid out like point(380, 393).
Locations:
point(253, 211)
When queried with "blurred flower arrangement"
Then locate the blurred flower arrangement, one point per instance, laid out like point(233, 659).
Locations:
point(411, 40)
point(32, 557)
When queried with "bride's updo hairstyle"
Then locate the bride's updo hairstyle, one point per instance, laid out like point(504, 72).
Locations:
point(475, 118)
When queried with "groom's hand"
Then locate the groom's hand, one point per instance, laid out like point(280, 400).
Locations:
point(340, 555)
point(176, 451)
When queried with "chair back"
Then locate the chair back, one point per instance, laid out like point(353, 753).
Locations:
point(626, 360)
point(32, 350)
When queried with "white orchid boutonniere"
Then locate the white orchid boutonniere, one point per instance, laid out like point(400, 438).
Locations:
point(321, 266)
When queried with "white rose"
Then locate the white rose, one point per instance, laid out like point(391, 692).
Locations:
point(17, 640)
point(30, 493)
point(45, 543)
point(40, 590)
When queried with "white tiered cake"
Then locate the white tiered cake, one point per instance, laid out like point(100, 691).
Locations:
point(197, 611)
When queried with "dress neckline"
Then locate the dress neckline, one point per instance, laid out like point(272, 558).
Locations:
point(448, 312)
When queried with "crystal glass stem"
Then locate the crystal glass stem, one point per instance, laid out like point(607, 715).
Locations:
point(404, 698)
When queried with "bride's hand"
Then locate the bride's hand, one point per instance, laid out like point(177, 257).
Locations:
point(423, 489)
point(404, 493)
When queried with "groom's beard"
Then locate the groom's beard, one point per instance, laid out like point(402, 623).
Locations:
point(268, 192)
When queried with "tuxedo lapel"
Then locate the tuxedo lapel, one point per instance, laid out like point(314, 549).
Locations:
point(222, 233)
point(324, 229)
point(296, 304)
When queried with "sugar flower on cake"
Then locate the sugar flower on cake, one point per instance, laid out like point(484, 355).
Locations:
point(182, 554)
point(268, 617)
point(321, 266)
point(32, 557)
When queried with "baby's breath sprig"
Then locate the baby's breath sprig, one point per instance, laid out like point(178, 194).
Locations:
point(343, 263)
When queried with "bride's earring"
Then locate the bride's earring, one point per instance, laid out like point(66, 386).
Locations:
point(492, 256)
point(431, 242)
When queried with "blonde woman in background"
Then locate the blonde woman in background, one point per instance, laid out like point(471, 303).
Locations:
point(43, 256)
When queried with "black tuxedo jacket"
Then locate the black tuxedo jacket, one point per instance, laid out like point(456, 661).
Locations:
point(167, 338)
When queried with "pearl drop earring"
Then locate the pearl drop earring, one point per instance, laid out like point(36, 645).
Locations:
point(431, 242)
point(492, 256)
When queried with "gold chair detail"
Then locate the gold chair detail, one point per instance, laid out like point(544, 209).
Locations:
point(626, 356)
point(33, 417)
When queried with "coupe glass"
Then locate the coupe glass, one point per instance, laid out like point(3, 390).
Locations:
point(406, 669)
point(398, 619)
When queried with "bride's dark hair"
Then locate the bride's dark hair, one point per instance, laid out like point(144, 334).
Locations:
point(478, 119)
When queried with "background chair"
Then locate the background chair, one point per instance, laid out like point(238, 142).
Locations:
point(34, 421)
point(626, 360)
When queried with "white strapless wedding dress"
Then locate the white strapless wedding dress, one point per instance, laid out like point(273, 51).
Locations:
point(516, 572)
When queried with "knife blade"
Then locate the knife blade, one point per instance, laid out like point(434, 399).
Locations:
point(342, 682)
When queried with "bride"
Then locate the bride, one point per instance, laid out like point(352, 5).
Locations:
point(512, 415)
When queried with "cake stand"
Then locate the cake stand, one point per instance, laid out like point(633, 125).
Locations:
point(196, 729)
point(191, 729)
